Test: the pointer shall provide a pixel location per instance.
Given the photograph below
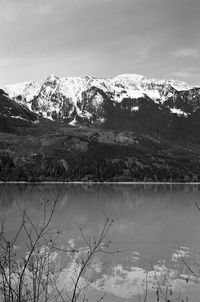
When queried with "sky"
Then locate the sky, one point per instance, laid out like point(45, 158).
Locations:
point(101, 38)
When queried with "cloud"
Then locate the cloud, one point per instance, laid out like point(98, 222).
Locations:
point(127, 283)
point(143, 54)
point(183, 74)
point(14, 11)
point(187, 53)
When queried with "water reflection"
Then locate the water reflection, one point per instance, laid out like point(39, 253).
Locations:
point(157, 226)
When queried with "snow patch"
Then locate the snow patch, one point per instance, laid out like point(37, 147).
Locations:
point(73, 122)
point(130, 77)
point(179, 112)
point(153, 94)
point(135, 108)
point(18, 117)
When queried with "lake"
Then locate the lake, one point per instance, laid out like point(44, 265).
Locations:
point(155, 236)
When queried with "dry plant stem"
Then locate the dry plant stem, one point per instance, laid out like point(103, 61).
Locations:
point(163, 293)
point(8, 264)
point(35, 266)
point(146, 288)
point(92, 251)
point(34, 244)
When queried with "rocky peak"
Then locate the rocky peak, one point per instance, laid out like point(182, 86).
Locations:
point(88, 96)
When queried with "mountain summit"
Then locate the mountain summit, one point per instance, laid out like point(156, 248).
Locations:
point(128, 102)
point(89, 99)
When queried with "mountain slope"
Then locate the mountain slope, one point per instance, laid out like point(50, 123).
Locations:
point(118, 88)
point(88, 154)
point(14, 115)
point(130, 102)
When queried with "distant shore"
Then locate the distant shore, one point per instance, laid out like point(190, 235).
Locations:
point(100, 183)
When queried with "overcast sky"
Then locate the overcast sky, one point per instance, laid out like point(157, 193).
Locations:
point(102, 38)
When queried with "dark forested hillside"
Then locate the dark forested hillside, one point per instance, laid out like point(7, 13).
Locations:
point(94, 155)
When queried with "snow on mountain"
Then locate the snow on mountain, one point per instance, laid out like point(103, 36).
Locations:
point(13, 115)
point(23, 92)
point(179, 112)
point(15, 89)
point(129, 79)
point(89, 98)
point(179, 85)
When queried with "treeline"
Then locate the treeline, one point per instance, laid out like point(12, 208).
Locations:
point(100, 163)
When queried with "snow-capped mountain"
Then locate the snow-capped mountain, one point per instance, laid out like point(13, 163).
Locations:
point(86, 97)
point(135, 128)
point(23, 92)
point(125, 102)
point(13, 115)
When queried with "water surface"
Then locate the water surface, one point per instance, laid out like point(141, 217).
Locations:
point(156, 228)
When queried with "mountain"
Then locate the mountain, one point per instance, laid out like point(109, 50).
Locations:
point(127, 102)
point(14, 115)
point(127, 128)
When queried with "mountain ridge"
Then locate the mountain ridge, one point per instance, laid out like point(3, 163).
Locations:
point(128, 128)
point(128, 102)
point(51, 97)
point(137, 77)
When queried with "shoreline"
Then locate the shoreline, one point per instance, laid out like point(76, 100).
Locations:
point(99, 183)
